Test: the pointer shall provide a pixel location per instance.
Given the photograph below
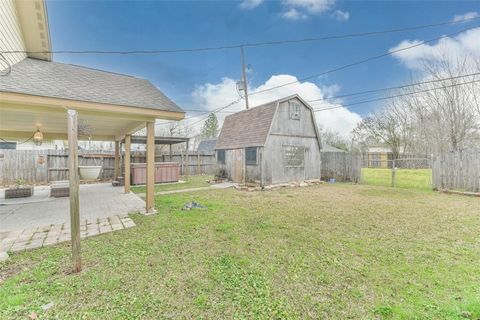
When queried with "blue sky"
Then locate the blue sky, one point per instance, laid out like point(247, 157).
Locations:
point(149, 25)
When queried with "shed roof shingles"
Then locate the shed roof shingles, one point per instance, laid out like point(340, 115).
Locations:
point(247, 128)
point(65, 81)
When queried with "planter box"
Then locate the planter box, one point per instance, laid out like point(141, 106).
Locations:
point(60, 189)
point(21, 192)
point(164, 172)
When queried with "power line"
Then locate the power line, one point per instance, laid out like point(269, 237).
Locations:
point(393, 88)
point(361, 102)
point(389, 53)
point(355, 103)
point(247, 45)
point(203, 112)
point(362, 92)
point(396, 96)
point(217, 110)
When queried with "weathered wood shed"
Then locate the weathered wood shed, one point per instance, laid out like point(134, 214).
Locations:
point(273, 143)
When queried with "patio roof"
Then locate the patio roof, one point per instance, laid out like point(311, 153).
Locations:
point(36, 94)
point(159, 140)
point(66, 81)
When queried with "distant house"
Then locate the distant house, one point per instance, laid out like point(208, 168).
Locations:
point(207, 146)
point(273, 143)
point(379, 156)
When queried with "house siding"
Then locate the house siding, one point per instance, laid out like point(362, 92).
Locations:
point(10, 29)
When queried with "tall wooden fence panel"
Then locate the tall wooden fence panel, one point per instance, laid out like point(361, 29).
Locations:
point(341, 166)
point(197, 163)
point(459, 170)
point(44, 166)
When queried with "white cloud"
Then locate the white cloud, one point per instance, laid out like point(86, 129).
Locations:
point(302, 9)
point(250, 4)
point(294, 14)
point(340, 15)
point(212, 96)
point(466, 44)
point(465, 16)
point(311, 6)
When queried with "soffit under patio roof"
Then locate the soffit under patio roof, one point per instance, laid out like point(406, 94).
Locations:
point(21, 120)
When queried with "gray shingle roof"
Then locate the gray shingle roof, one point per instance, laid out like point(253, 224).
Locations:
point(329, 148)
point(207, 145)
point(59, 80)
point(247, 128)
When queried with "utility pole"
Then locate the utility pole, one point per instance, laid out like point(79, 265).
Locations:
point(244, 76)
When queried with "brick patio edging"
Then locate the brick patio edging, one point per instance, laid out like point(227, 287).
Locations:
point(27, 239)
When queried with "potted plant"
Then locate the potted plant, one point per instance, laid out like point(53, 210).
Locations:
point(89, 173)
point(19, 190)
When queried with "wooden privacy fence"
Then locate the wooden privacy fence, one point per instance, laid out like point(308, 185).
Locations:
point(44, 166)
point(198, 162)
point(341, 166)
point(458, 170)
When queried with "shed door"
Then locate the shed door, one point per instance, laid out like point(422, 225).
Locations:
point(238, 165)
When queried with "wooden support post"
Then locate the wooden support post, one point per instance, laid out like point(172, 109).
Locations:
point(74, 189)
point(187, 164)
point(128, 139)
point(170, 157)
point(117, 160)
point(150, 196)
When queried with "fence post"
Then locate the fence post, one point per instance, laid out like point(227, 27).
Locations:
point(393, 172)
point(198, 163)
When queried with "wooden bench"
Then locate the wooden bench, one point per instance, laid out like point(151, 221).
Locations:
point(60, 189)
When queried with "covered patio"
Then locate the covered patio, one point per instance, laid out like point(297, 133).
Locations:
point(55, 99)
point(97, 201)
point(28, 223)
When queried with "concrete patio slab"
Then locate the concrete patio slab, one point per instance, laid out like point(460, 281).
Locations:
point(97, 201)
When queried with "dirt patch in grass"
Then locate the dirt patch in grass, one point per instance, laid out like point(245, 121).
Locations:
point(332, 251)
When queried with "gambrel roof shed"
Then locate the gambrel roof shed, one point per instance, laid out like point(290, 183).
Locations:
point(250, 128)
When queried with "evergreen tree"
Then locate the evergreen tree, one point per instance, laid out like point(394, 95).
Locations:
point(210, 127)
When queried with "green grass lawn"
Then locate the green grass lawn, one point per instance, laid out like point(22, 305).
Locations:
point(195, 181)
point(405, 178)
point(331, 251)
